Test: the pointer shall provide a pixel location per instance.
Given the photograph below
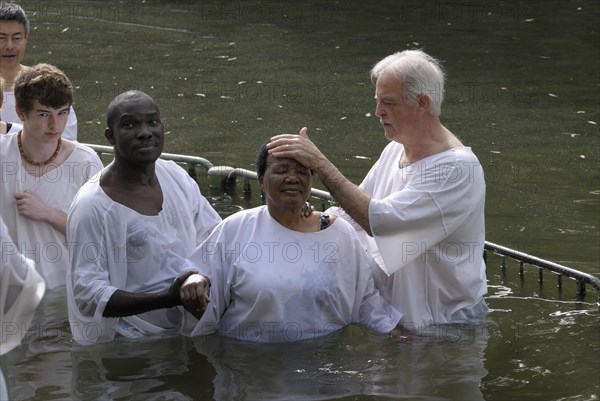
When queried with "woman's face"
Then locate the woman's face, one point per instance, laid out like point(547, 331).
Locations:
point(286, 183)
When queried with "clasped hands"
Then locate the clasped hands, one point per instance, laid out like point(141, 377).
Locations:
point(192, 290)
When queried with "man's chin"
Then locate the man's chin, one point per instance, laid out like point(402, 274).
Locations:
point(389, 133)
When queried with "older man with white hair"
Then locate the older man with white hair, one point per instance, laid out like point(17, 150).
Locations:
point(421, 206)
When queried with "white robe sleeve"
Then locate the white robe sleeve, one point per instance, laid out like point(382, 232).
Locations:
point(89, 283)
point(21, 290)
point(408, 223)
point(371, 309)
point(214, 261)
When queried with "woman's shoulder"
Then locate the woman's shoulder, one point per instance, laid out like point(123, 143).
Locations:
point(339, 225)
point(246, 215)
point(240, 223)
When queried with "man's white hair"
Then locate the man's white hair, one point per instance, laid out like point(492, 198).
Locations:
point(420, 73)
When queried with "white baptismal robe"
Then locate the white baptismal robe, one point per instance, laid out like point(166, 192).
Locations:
point(427, 221)
point(272, 284)
point(114, 247)
point(57, 187)
point(21, 290)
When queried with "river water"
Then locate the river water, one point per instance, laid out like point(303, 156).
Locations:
point(523, 92)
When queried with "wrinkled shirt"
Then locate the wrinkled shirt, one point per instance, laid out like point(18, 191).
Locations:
point(115, 247)
point(427, 221)
point(272, 284)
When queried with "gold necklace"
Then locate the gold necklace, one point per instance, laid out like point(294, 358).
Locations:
point(39, 164)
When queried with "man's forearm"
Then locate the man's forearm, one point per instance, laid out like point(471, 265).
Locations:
point(351, 198)
point(124, 303)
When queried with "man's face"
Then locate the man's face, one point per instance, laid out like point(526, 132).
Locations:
point(44, 123)
point(137, 131)
point(397, 116)
point(13, 42)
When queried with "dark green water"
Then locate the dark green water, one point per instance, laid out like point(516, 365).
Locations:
point(523, 91)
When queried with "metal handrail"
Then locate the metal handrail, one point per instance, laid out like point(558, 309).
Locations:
point(581, 277)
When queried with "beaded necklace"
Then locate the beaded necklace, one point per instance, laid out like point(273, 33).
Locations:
point(39, 164)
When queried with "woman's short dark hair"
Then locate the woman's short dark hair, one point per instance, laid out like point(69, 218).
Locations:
point(261, 159)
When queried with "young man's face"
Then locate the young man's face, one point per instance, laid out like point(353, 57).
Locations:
point(44, 123)
point(138, 132)
point(13, 41)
